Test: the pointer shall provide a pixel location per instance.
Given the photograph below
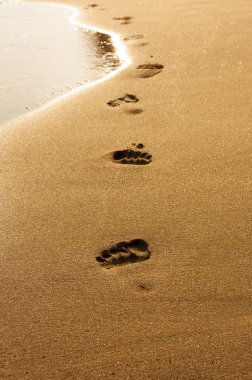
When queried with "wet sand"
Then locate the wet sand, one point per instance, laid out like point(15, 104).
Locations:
point(43, 60)
point(182, 308)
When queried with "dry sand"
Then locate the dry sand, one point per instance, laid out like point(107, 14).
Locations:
point(186, 312)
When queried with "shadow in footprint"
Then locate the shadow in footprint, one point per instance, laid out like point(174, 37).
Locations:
point(132, 156)
point(149, 70)
point(127, 98)
point(141, 44)
point(123, 253)
point(135, 111)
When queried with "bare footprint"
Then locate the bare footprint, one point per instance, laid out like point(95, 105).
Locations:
point(132, 156)
point(144, 287)
point(135, 37)
point(90, 6)
point(127, 98)
point(123, 253)
point(149, 70)
point(124, 20)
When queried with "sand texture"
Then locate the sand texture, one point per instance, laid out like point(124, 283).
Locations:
point(172, 300)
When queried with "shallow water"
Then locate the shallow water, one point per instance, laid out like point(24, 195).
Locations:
point(43, 55)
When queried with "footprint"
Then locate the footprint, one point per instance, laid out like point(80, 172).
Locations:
point(90, 6)
point(144, 287)
point(125, 253)
point(125, 20)
point(135, 37)
point(127, 98)
point(149, 70)
point(132, 156)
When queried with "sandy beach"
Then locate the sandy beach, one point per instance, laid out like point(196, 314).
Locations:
point(184, 313)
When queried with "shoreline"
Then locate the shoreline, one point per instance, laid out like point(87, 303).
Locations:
point(73, 19)
point(184, 311)
point(120, 48)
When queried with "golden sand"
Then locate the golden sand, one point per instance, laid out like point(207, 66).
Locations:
point(185, 313)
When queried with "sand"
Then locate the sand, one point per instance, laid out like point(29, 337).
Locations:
point(185, 312)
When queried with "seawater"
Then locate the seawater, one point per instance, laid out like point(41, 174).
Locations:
point(43, 55)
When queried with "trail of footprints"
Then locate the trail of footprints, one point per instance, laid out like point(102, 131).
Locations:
point(136, 250)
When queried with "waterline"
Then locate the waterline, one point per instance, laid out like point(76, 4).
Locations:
point(95, 55)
